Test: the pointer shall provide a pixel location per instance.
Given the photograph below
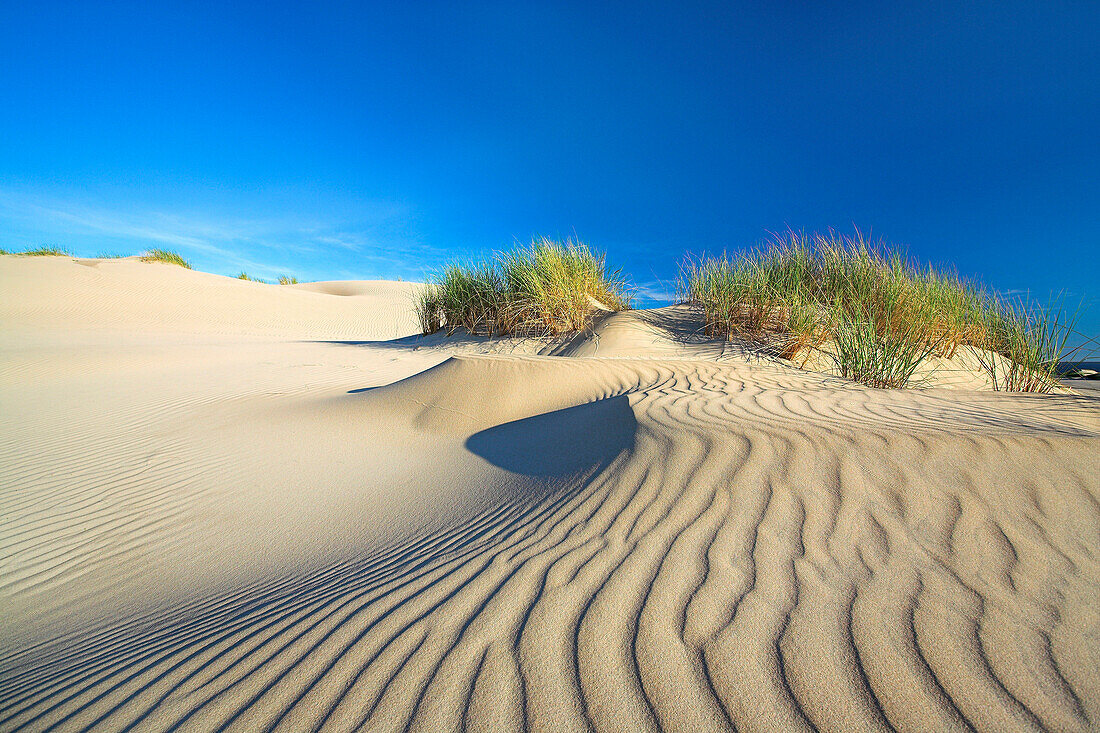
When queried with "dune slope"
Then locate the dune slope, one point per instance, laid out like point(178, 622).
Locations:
point(320, 534)
point(126, 295)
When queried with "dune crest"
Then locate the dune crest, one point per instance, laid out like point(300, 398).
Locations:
point(653, 533)
point(126, 295)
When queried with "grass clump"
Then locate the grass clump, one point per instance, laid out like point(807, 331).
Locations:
point(164, 255)
point(47, 251)
point(1027, 344)
point(882, 315)
point(871, 348)
point(547, 287)
point(249, 278)
point(288, 280)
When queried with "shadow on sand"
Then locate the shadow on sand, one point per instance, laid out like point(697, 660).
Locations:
point(562, 442)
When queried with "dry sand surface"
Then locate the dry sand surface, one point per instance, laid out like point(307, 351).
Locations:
point(238, 506)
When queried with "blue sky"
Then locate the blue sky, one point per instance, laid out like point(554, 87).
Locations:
point(376, 140)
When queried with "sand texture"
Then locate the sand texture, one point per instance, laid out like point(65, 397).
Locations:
point(233, 506)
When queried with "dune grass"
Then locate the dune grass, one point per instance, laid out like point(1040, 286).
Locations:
point(167, 256)
point(45, 251)
point(882, 314)
point(1032, 340)
point(288, 280)
point(547, 287)
point(246, 276)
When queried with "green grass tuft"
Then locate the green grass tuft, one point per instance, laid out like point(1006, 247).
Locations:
point(883, 314)
point(246, 276)
point(288, 280)
point(164, 255)
point(870, 350)
point(546, 287)
point(1032, 341)
point(47, 251)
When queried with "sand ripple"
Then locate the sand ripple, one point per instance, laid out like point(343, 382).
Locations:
point(670, 545)
point(218, 515)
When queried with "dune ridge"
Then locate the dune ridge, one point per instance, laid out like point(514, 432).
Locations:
point(304, 533)
point(127, 295)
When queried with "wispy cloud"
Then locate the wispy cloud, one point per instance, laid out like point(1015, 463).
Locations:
point(656, 291)
point(74, 218)
point(376, 241)
point(1032, 295)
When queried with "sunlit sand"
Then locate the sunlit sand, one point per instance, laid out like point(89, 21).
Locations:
point(235, 505)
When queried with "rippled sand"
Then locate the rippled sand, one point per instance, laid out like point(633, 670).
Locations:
point(234, 506)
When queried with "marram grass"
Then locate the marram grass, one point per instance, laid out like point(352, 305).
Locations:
point(167, 256)
point(882, 314)
point(547, 287)
point(46, 251)
point(1032, 341)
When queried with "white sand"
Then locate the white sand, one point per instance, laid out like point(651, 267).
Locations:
point(234, 506)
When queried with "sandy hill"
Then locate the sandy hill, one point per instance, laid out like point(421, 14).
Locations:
point(252, 507)
point(128, 295)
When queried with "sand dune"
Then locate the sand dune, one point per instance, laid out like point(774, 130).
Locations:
point(286, 524)
point(128, 295)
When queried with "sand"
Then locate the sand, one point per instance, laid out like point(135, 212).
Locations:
point(238, 506)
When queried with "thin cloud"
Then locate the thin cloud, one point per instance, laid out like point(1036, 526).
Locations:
point(377, 240)
point(656, 290)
